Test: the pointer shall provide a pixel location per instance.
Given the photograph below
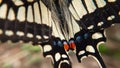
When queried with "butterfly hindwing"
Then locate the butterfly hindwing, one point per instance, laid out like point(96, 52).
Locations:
point(30, 21)
point(54, 49)
point(87, 45)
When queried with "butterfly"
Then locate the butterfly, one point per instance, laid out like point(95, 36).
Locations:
point(58, 26)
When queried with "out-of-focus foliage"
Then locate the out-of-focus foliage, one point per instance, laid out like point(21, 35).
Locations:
point(103, 48)
point(30, 48)
point(112, 53)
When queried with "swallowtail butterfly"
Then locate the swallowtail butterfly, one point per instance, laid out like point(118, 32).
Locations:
point(59, 26)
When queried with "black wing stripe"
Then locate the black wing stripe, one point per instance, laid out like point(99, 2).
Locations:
point(21, 24)
point(25, 28)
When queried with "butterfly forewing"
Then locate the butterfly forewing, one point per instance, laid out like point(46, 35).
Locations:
point(95, 14)
point(30, 21)
point(24, 20)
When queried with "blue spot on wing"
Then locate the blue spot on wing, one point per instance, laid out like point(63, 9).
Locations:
point(86, 35)
point(78, 38)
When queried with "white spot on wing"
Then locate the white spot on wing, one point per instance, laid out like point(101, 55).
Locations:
point(90, 27)
point(100, 24)
point(89, 48)
point(37, 13)
point(111, 0)
point(20, 33)
point(17, 2)
point(21, 14)
point(111, 17)
point(30, 0)
point(113, 25)
point(80, 9)
point(57, 56)
point(30, 14)
point(64, 56)
point(11, 14)
point(29, 35)
point(97, 35)
point(90, 6)
point(38, 36)
point(9, 33)
point(46, 37)
point(20, 41)
point(81, 52)
point(3, 11)
point(100, 3)
point(47, 48)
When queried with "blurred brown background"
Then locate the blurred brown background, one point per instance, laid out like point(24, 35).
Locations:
point(19, 55)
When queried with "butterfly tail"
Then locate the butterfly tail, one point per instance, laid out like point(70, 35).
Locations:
point(55, 50)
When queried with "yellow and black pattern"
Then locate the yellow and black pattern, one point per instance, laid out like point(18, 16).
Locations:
point(59, 26)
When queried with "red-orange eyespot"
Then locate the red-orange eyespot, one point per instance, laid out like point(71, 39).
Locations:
point(72, 45)
point(66, 47)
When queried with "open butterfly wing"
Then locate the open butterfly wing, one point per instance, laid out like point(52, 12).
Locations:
point(93, 16)
point(30, 21)
point(39, 21)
